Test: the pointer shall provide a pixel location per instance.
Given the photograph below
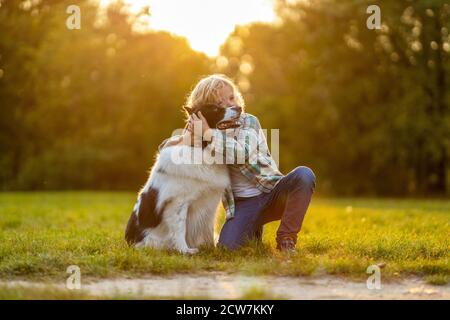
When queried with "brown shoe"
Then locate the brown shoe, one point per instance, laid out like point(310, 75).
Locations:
point(286, 245)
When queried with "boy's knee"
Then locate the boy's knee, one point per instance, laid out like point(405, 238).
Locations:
point(234, 241)
point(305, 176)
point(228, 239)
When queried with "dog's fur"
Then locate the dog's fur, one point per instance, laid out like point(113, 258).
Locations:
point(176, 207)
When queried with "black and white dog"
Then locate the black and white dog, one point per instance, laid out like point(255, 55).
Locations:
point(176, 207)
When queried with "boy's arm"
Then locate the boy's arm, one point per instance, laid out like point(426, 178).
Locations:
point(170, 141)
point(231, 148)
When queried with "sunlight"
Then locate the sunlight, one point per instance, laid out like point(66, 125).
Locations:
point(205, 23)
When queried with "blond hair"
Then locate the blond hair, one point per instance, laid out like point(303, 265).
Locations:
point(206, 91)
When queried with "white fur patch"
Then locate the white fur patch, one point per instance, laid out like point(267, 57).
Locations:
point(191, 193)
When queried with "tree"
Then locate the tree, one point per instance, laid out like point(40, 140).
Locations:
point(365, 108)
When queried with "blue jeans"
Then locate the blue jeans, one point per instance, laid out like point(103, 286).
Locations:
point(288, 202)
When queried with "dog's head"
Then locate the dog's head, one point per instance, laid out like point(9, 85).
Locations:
point(218, 117)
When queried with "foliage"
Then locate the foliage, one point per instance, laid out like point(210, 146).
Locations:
point(86, 108)
point(367, 110)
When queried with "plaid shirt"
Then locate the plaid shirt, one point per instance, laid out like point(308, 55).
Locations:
point(247, 147)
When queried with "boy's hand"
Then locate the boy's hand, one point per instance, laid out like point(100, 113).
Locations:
point(173, 142)
point(195, 121)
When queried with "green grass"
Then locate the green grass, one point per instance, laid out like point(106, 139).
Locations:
point(41, 234)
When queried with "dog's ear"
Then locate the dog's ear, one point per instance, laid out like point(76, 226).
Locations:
point(188, 110)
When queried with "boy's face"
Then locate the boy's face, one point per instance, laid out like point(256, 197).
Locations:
point(224, 113)
point(226, 97)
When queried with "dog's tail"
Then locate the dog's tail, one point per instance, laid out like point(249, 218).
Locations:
point(133, 233)
point(143, 216)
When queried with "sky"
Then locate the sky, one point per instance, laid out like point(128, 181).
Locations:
point(205, 23)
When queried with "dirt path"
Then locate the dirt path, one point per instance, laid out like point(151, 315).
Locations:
point(226, 286)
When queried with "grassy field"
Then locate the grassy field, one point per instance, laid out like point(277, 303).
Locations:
point(43, 233)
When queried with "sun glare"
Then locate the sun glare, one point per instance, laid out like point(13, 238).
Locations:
point(205, 23)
